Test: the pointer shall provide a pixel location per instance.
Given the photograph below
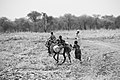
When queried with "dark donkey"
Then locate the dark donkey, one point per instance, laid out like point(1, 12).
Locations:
point(56, 50)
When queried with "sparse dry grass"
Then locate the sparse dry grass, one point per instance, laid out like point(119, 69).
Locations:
point(23, 56)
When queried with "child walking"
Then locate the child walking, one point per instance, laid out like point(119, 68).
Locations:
point(77, 51)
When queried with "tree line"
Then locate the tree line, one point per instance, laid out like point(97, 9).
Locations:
point(41, 22)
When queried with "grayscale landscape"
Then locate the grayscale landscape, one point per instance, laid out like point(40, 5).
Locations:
point(59, 39)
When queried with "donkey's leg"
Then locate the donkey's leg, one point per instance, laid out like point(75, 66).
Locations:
point(49, 51)
point(54, 56)
point(64, 57)
point(69, 56)
point(57, 57)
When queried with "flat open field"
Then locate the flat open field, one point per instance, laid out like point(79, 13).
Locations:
point(23, 56)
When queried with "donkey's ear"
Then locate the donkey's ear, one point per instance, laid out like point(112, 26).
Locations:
point(71, 45)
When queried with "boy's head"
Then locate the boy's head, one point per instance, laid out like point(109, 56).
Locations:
point(51, 33)
point(60, 37)
point(75, 42)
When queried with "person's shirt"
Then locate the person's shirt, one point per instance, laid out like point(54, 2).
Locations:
point(52, 37)
point(61, 42)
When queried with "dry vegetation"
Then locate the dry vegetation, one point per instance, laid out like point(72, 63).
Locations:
point(23, 56)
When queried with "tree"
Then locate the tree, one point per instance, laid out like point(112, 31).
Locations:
point(83, 20)
point(109, 21)
point(117, 22)
point(47, 21)
point(23, 24)
point(69, 19)
point(96, 16)
point(89, 22)
point(3, 25)
point(34, 16)
point(50, 23)
point(61, 23)
point(44, 18)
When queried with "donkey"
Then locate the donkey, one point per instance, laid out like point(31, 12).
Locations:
point(60, 50)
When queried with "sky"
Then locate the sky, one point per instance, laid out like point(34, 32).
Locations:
point(20, 8)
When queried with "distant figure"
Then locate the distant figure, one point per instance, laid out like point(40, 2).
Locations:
point(77, 34)
point(78, 38)
point(77, 51)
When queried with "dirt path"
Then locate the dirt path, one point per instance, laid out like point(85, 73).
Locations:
point(103, 44)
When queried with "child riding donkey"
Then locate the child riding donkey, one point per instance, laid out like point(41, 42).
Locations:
point(51, 39)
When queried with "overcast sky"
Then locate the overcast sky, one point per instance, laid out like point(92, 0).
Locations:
point(20, 8)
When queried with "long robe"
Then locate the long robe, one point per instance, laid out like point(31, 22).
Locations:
point(77, 51)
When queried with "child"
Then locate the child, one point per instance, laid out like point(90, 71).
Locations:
point(77, 51)
point(52, 38)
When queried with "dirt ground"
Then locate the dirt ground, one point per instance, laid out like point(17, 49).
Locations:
point(23, 56)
